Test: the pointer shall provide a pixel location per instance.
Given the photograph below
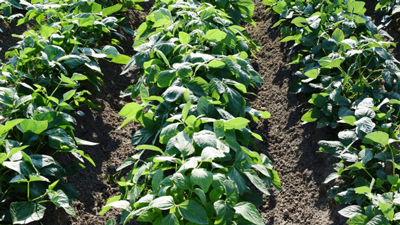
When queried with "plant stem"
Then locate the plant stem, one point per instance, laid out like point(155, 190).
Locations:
point(27, 193)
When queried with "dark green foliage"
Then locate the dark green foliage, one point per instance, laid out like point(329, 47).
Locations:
point(194, 55)
point(352, 84)
point(41, 86)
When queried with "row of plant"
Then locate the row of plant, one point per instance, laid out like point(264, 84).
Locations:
point(193, 163)
point(352, 84)
point(9, 9)
point(388, 10)
point(45, 79)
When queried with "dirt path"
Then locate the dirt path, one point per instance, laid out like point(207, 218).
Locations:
point(292, 146)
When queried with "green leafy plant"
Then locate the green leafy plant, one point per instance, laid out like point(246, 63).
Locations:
point(195, 71)
point(6, 9)
point(351, 81)
point(41, 86)
point(388, 10)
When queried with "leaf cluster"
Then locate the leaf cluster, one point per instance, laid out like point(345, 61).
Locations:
point(388, 10)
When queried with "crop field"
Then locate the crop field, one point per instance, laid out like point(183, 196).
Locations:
point(187, 112)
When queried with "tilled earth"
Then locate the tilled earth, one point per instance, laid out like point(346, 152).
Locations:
point(290, 145)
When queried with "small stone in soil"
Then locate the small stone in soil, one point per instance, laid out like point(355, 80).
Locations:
point(286, 212)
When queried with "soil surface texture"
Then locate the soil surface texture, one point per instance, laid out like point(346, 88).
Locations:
point(291, 145)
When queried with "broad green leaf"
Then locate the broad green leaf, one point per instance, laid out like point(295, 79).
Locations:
point(216, 64)
point(249, 212)
point(362, 190)
point(173, 93)
point(378, 220)
point(235, 103)
point(219, 129)
point(147, 216)
point(26, 212)
point(276, 181)
point(260, 185)
point(68, 95)
point(59, 137)
point(198, 86)
point(237, 123)
point(165, 78)
point(264, 114)
point(72, 61)
point(224, 213)
point(349, 120)
point(331, 177)
point(358, 220)
point(157, 178)
point(110, 200)
point(201, 177)
point(387, 210)
point(234, 175)
point(54, 52)
point(130, 110)
point(184, 144)
point(170, 219)
point(211, 153)
point(86, 22)
point(327, 62)
point(168, 132)
point(206, 108)
point(163, 203)
point(200, 193)
point(311, 115)
point(312, 73)
point(112, 9)
point(366, 125)
point(355, 166)
point(35, 177)
point(192, 211)
point(184, 38)
point(121, 59)
point(231, 191)
point(185, 110)
point(396, 216)
point(379, 137)
point(46, 31)
point(181, 181)
point(129, 65)
point(84, 142)
point(215, 35)
point(338, 35)
point(78, 77)
point(299, 21)
point(111, 222)
point(3, 157)
point(150, 147)
point(351, 211)
point(34, 126)
point(10, 125)
point(119, 204)
point(205, 138)
point(60, 199)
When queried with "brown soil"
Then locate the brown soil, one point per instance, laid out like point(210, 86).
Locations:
point(6, 40)
point(292, 146)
